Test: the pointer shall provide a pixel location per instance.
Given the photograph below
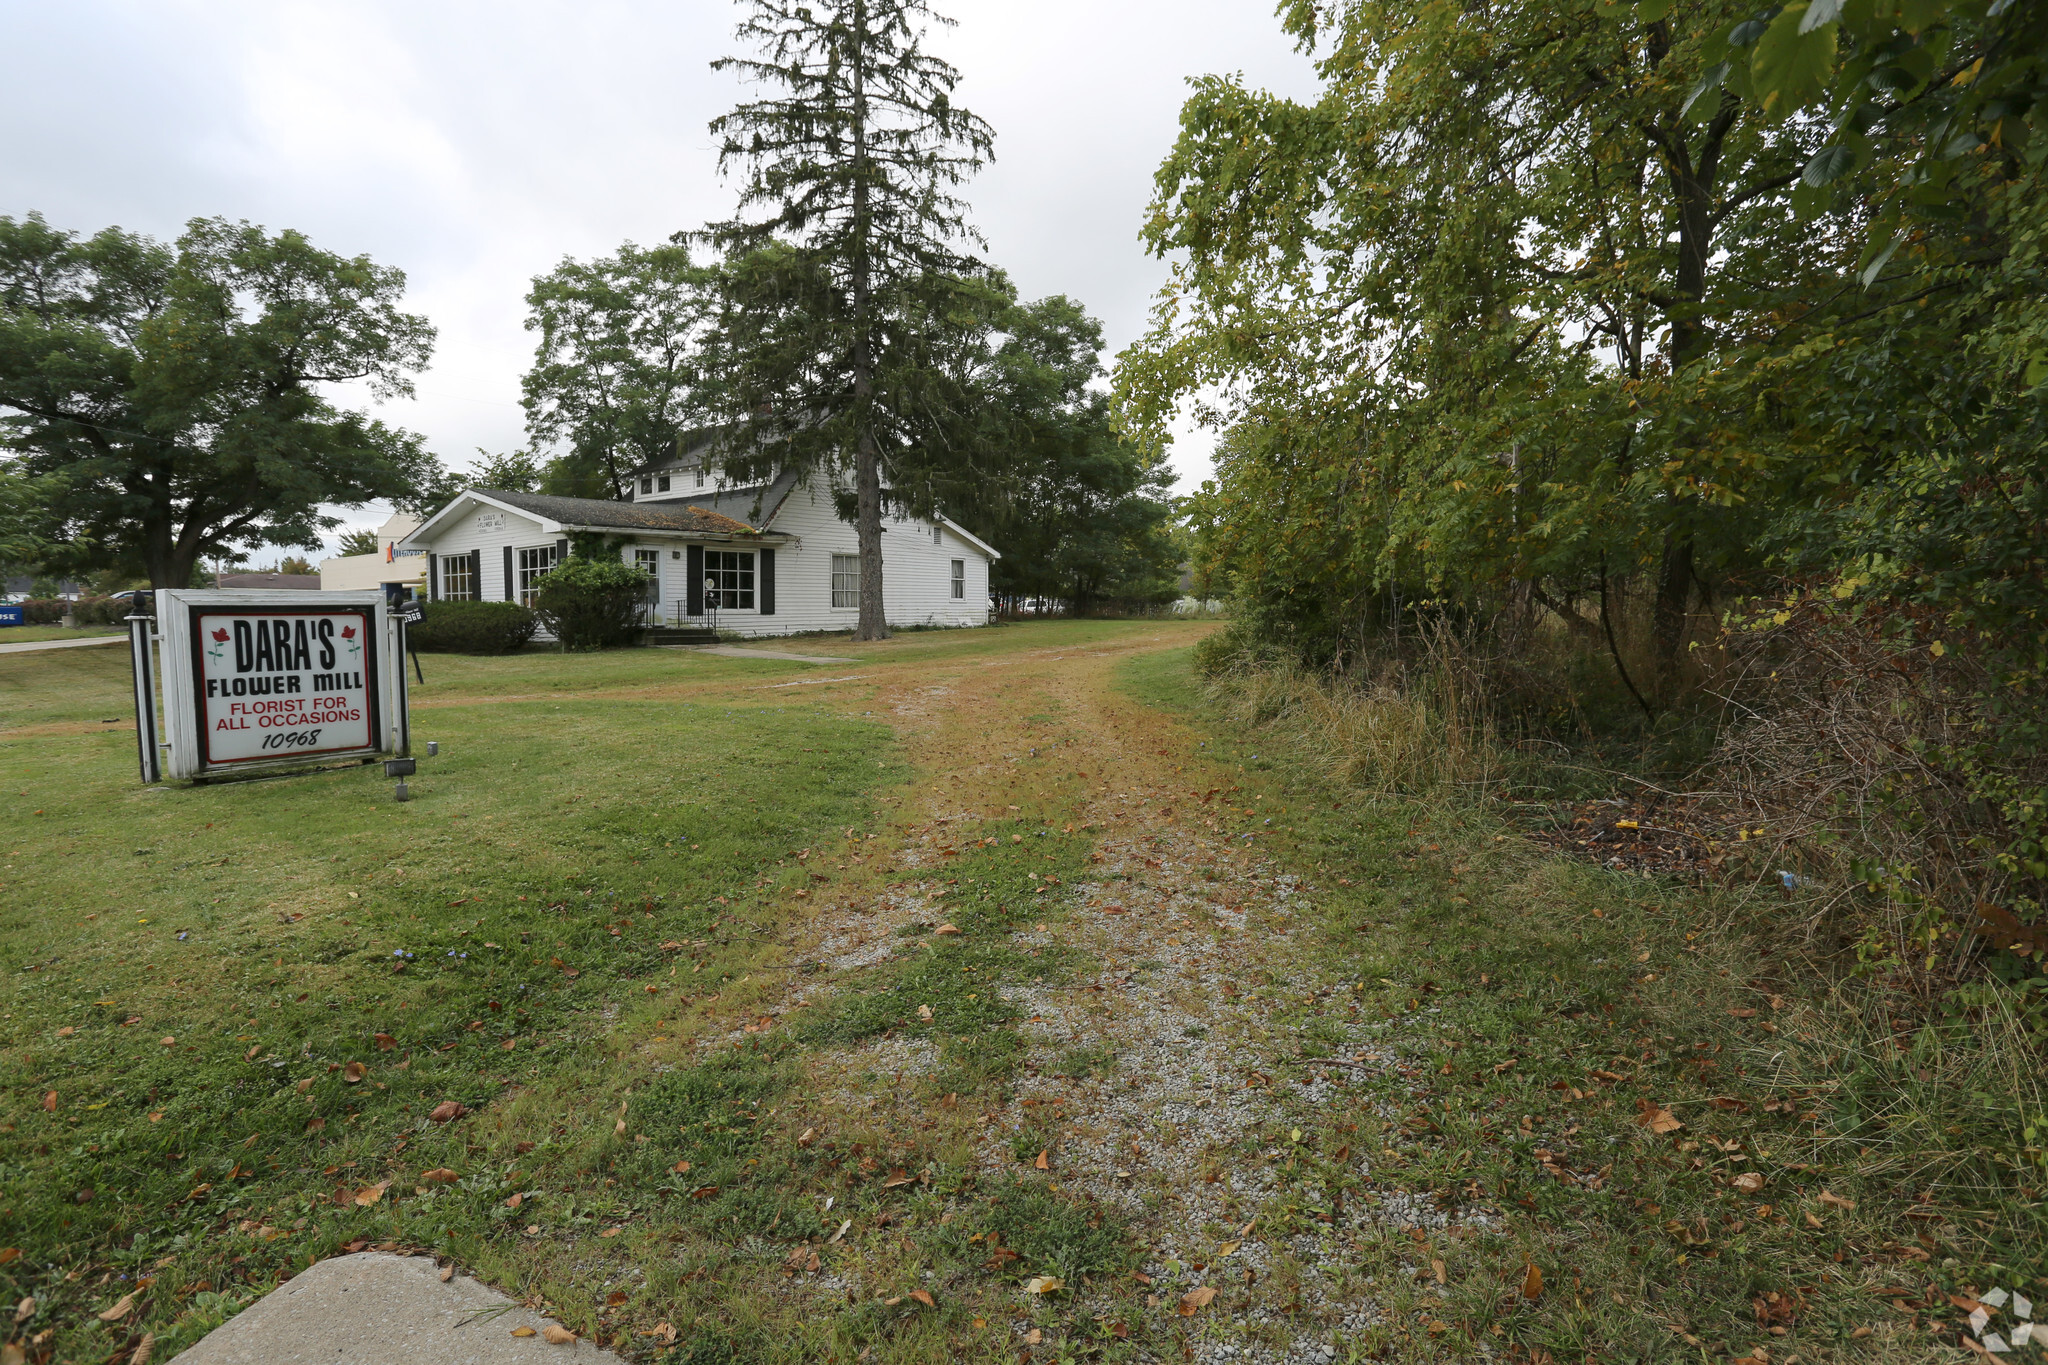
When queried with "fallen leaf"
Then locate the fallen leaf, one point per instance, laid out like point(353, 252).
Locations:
point(1749, 1182)
point(680, 1168)
point(1532, 1283)
point(385, 1042)
point(804, 1139)
point(447, 1111)
point(898, 1177)
point(447, 1272)
point(1436, 1270)
point(1656, 1117)
point(252, 1053)
point(144, 1349)
point(610, 1232)
point(50, 1103)
point(23, 1311)
point(924, 1298)
point(354, 1072)
point(371, 1194)
point(1226, 1249)
point(556, 1336)
point(1830, 1197)
point(119, 1310)
point(524, 1332)
point(924, 1012)
point(440, 1175)
point(946, 929)
point(1042, 1164)
point(1743, 1014)
point(12, 1354)
point(1195, 1300)
point(1044, 1284)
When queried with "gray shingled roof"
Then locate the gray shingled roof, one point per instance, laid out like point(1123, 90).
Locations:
point(603, 514)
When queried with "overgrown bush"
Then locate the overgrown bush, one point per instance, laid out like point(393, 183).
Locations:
point(43, 611)
point(100, 611)
point(592, 603)
point(473, 628)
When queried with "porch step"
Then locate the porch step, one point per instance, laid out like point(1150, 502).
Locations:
point(671, 635)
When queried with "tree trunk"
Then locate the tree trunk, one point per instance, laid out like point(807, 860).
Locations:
point(1674, 598)
point(867, 454)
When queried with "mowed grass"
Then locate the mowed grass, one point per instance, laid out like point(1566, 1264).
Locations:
point(1656, 1137)
point(227, 1013)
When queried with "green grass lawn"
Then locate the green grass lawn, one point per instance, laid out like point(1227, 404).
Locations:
point(227, 1013)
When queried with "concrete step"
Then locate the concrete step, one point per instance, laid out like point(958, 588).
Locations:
point(672, 635)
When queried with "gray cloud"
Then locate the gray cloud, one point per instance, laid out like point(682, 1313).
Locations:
point(475, 145)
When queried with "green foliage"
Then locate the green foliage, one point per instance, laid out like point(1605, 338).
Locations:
point(847, 280)
point(617, 364)
point(167, 402)
point(472, 628)
point(362, 540)
point(592, 603)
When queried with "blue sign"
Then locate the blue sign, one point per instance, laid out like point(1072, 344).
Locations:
point(16, 615)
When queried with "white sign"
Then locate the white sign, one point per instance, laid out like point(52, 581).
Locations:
point(263, 680)
point(490, 521)
point(284, 684)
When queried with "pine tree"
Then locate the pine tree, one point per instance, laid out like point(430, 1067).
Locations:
point(847, 272)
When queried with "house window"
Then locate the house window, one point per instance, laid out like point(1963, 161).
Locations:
point(729, 579)
point(700, 476)
point(846, 580)
point(664, 483)
point(647, 485)
point(648, 562)
point(533, 567)
point(935, 535)
point(959, 580)
point(458, 584)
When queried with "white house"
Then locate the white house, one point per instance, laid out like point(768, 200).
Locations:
point(391, 564)
point(769, 559)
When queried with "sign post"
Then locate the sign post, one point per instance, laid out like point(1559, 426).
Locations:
point(151, 751)
point(263, 682)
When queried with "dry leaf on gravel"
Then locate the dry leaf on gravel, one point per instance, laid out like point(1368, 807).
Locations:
point(924, 1012)
point(447, 1272)
point(119, 1310)
point(1033, 1337)
point(1044, 1284)
point(1042, 1164)
point(524, 1332)
point(1226, 1249)
point(1195, 1300)
point(557, 1336)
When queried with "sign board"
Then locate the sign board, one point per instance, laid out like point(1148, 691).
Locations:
point(257, 680)
point(490, 522)
point(13, 615)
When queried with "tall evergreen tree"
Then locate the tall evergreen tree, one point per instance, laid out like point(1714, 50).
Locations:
point(847, 257)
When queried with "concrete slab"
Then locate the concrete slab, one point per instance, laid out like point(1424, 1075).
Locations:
point(742, 652)
point(377, 1309)
point(28, 645)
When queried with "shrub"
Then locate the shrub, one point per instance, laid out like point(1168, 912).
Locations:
point(473, 628)
point(100, 611)
point(43, 611)
point(592, 603)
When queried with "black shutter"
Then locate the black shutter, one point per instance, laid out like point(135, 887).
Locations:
point(511, 585)
point(767, 584)
point(561, 550)
point(433, 578)
point(693, 580)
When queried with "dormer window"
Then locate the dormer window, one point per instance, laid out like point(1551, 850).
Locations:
point(700, 476)
point(664, 483)
point(647, 485)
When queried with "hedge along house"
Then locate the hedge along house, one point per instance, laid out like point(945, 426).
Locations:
point(763, 560)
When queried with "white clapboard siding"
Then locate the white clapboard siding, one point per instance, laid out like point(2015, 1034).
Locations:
point(517, 530)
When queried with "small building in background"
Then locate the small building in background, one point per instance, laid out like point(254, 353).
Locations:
point(391, 564)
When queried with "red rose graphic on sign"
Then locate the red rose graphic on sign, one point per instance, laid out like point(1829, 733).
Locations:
point(348, 633)
point(220, 637)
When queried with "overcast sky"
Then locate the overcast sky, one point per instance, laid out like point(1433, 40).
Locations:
point(474, 145)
